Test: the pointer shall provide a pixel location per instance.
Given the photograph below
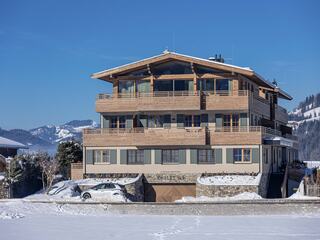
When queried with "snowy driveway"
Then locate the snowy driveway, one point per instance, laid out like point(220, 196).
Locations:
point(50, 221)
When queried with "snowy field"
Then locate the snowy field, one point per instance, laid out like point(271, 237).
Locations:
point(23, 220)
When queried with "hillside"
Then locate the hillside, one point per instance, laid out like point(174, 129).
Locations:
point(305, 120)
point(47, 137)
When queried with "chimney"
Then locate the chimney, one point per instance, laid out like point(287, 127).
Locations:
point(217, 58)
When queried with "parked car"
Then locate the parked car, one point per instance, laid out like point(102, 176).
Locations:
point(110, 191)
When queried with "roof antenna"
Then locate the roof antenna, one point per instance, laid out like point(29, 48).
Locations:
point(274, 82)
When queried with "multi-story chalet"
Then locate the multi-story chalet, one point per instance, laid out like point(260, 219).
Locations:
point(172, 117)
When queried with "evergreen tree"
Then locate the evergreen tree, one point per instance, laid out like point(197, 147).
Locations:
point(67, 153)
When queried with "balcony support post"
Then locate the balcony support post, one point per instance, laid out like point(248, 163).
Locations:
point(115, 87)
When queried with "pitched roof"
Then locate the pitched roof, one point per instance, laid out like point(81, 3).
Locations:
point(166, 56)
point(8, 143)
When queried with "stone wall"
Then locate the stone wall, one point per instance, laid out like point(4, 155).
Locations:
point(171, 178)
point(232, 190)
point(4, 189)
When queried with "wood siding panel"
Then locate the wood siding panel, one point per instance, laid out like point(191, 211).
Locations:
point(149, 137)
point(148, 104)
point(223, 103)
point(235, 138)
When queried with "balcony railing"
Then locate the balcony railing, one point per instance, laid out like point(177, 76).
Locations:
point(149, 94)
point(144, 136)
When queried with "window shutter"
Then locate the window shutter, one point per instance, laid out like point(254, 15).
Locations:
point(123, 156)
point(167, 121)
point(106, 122)
point(218, 155)
point(255, 155)
point(113, 156)
point(229, 155)
point(147, 156)
point(243, 119)
point(218, 120)
point(129, 122)
point(158, 156)
point(193, 156)
point(89, 157)
point(204, 120)
point(182, 156)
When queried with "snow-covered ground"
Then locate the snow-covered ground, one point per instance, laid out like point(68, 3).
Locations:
point(241, 196)
point(33, 221)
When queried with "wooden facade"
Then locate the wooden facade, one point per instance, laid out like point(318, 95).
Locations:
point(213, 108)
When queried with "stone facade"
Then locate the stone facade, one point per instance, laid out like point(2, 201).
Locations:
point(4, 189)
point(171, 178)
point(232, 190)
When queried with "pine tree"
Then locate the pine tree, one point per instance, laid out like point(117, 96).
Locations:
point(67, 153)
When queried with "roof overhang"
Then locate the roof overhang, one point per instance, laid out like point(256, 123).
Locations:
point(109, 74)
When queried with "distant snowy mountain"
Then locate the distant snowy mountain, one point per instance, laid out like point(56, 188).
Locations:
point(305, 121)
point(47, 137)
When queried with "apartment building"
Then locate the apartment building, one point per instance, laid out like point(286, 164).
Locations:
point(174, 117)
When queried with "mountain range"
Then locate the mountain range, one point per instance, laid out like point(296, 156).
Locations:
point(305, 121)
point(46, 138)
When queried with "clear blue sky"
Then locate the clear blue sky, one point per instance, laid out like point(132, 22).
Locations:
point(48, 49)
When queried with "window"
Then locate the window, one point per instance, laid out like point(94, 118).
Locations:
point(196, 121)
point(113, 122)
point(188, 121)
point(122, 122)
point(135, 156)
point(101, 156)
point(205, 156)
point(235, 121)
point(242, 155)
point(170, 156)
point(222, 85)
point(126, 87)
point(204, 119)
point(163, 85)
point(226, 120)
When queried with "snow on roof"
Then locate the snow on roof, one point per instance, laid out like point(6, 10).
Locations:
point(8, 143)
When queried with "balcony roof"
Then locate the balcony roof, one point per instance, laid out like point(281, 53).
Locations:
point(109, 74)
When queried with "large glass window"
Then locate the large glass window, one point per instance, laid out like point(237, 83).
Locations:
point(163, 85)
point(143, 86)
point(196, 121)
point(183, 85)
point(113, 122)
point(135, 156)
point(188, 120)
point(205, 156)
point(122, 122)
point(205, 85)
point(222, 85)
point(170, 156)
point(126, 87)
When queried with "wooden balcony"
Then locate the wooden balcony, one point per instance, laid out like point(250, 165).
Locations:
point(227, 100)
point(144, 137)
point(281, 114)
point(261, 106)
point(156, 101)
point(240, 135)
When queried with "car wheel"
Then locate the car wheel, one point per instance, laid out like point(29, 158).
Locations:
point(86, 196)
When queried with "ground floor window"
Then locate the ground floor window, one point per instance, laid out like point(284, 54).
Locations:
point(205, 156)
point(242, 155)
point(101, 156)
point(135, 156)
point(170, 156)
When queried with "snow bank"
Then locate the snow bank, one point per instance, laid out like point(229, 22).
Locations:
point(300, 193)
point(95, 181)
point(230, 180)
point(241, 196)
